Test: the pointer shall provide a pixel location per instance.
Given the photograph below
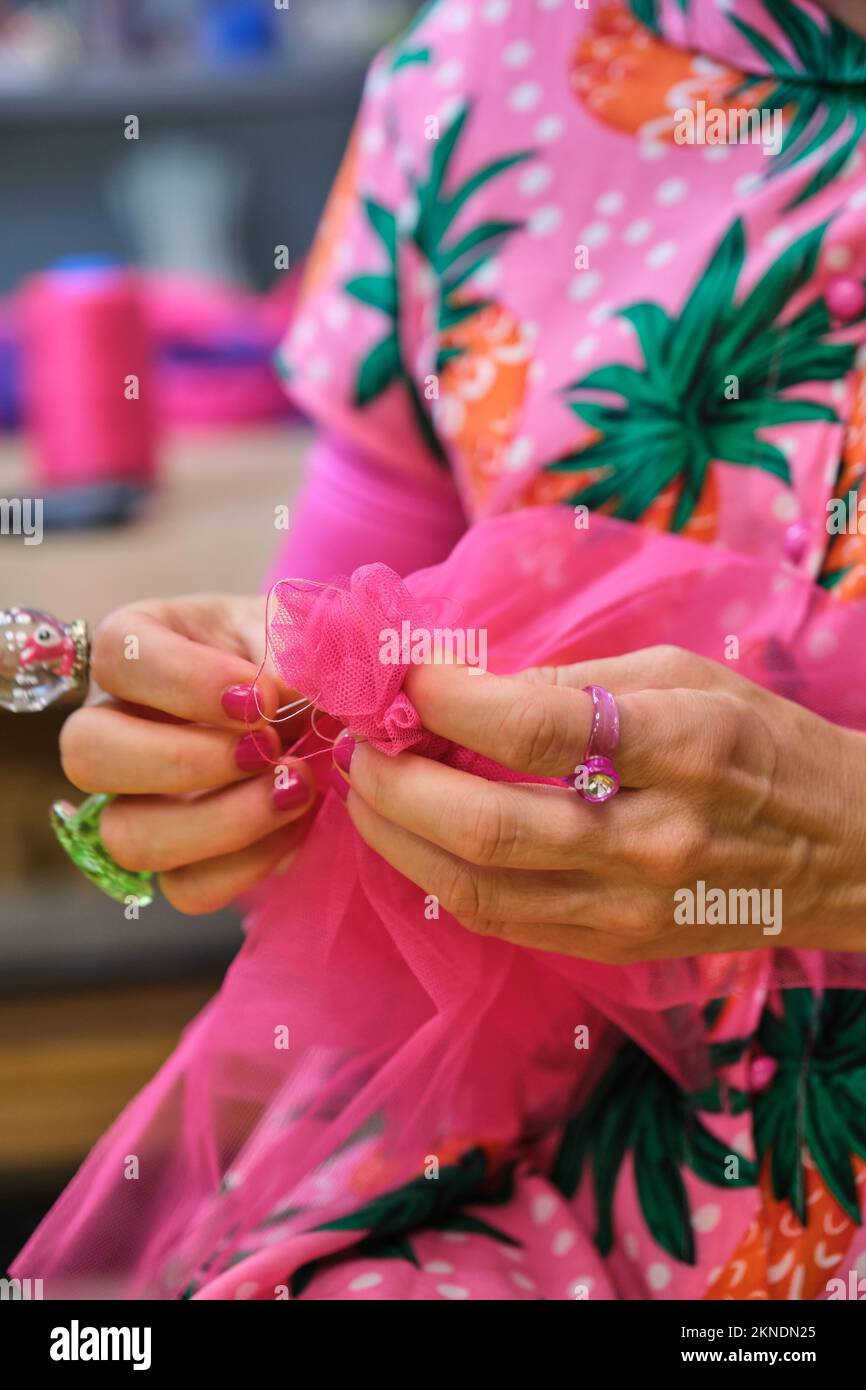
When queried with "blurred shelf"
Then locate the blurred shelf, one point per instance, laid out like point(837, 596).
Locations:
point(82, 97)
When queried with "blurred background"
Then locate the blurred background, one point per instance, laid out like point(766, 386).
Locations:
point(164, 166)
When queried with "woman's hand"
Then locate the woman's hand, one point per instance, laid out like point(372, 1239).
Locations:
point(199, 802)
point(723, 783)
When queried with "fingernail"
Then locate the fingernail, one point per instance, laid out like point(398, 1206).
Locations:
point(252, 753)
point(242, 702)
point(343, 750)
point(340, 785)
point(290, 790)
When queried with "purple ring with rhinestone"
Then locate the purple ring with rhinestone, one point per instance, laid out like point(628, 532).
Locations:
point(602, 778)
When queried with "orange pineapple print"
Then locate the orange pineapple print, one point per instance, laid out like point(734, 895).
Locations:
point(335, 218)
point(481, 393)
point(635, 82)
point(557, 487)
point(549, 487)
point(809, 1088)
point(778, 1258)
point(701, 525)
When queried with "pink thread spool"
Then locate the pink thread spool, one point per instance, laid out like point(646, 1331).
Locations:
point(87, 380)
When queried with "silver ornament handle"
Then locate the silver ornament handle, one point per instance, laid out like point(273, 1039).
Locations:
point(41, 659)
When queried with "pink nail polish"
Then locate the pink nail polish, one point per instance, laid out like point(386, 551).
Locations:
point(253, 753)
point(343, 750)
point(340, 785)
point(242, 702)
point(292, 792)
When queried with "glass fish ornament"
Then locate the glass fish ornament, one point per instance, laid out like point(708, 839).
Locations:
point(41, 659)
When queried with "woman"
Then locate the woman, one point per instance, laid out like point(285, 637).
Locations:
point(531, 287)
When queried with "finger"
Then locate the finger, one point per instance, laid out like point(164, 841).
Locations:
point(214, 883)
point(650, 668)
point(107, 750)
point(155, 835)
point(495, 823)
point(489, 900)
point(531, 727)
point(462, 891)
point(542, 729)
point(169, 671)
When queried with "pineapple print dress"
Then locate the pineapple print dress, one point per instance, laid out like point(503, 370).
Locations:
point(534, 277)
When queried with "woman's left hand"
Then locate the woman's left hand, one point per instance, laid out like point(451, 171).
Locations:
point(723, 783)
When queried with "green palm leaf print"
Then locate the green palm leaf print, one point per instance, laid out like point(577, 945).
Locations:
point(824, 85)
point(674, 416)
point(638, 1109)
point(453, 258)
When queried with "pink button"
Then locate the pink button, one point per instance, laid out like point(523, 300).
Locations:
point(761, 1073)
point(846, 298)
point(796, 541)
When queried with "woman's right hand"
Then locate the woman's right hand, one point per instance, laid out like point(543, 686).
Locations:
point(164, 730)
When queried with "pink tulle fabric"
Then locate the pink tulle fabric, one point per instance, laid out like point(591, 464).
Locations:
point(353, 1025)
point(329, 637)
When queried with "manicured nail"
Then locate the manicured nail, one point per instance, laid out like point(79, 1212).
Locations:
point(340, 785)
point(290, 790)
point(242, 702)
point(343, 750)
point(252, 753)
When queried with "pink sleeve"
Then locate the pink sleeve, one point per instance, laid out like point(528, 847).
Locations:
point(379, 485)
point(353, 510)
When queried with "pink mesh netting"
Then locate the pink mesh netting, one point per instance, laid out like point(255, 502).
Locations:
point(327, 637)
point(405, 1034)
